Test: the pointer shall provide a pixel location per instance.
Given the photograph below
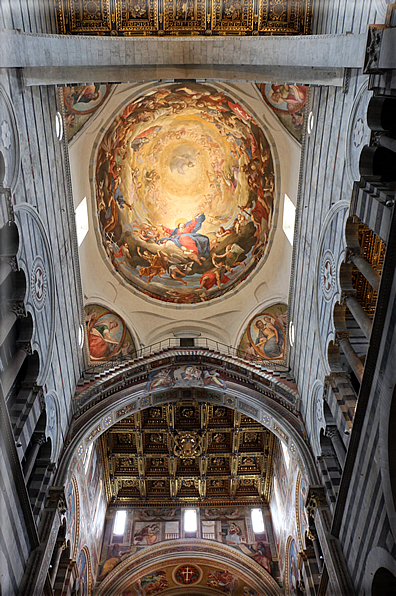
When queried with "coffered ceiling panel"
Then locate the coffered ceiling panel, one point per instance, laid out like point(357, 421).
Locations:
point(188, 453)
point(184, 17)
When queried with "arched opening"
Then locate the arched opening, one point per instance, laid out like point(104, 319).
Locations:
point(384, 583)
point(392, 447)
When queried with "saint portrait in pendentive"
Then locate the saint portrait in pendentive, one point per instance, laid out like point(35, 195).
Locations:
point(108, 337)
point(267, 337)
point(84, 99)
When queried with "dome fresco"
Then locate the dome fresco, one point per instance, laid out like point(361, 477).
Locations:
point(184, 193)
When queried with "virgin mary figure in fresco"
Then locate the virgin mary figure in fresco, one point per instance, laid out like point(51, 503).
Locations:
point(185, 236)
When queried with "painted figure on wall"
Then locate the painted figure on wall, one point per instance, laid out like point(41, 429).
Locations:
point(153, 583)
point(265, 335)
point(115, 554)
point(108, 337)
point(186, 375)
point(288, 102)
point(82, 585)
point(146, 534)
point(293, 569)
point(185, 193)
point(81, 102)
point(223, 580)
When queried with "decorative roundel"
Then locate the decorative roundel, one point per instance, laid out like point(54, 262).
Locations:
point(38, 283)
point(187, 574)
point(328, 275)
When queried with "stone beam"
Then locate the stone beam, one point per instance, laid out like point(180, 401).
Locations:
point(51, 59)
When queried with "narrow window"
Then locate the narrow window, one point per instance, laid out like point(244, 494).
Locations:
point(257, 521)
point(289, 216)
point(190, 520)
point(82, 221)
point(119, 523)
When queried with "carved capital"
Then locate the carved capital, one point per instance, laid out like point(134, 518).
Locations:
point(6, 193)
point(26, 346)
point(38, 438)
point(56, 499)
point(17, 307)
point(12, 262)
point(373, 48)
point(341, 336)
point(316, 498)
point(312, 534)
point(356, 251)
point(331, 431)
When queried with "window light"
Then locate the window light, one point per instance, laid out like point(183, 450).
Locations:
point(87, 459)
point(58, 126)
point(82, 221)
point(190, 520)
point(286, 454)
point(119, 523)
point(257, 521)
point(289, 216)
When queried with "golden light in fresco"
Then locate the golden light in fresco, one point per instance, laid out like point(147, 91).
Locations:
point(185, 193)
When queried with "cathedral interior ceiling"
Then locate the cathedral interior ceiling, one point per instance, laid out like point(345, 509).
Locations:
point(184, 17)
point(185, 191)
point(185, 452)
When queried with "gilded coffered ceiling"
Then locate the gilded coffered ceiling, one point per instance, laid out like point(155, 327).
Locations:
point(184, 17)
point(188, 453)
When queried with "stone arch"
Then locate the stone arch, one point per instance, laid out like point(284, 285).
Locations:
point(201, 552)
point(378, 560)
point(384, 583)
point(301, 531)
point(100, 417)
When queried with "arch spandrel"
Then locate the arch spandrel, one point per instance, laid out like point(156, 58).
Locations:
point(204, 554)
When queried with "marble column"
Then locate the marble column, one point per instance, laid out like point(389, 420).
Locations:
point(334, 436)
point(365, 268)
point(342, 338)
point(360, 316)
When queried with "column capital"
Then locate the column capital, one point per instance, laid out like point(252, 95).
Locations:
point(331, 431)
point(341, 336)
point(316, 498)
point(56, 499)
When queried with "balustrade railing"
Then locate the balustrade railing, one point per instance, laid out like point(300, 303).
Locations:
point(201, 344)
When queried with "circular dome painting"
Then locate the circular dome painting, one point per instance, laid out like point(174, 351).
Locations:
point(184, 193)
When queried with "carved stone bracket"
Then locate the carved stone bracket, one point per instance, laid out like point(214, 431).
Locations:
point(316, 498)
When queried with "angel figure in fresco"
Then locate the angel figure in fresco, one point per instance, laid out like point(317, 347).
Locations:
point(185, 236)
point(85, 94)
point(147, 535)
point(157, 265)
point(101, 341)
point(223, 580)
point(234, 534)
point(162, 379)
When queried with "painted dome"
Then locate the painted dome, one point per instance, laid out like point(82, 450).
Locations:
point(184, 193)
